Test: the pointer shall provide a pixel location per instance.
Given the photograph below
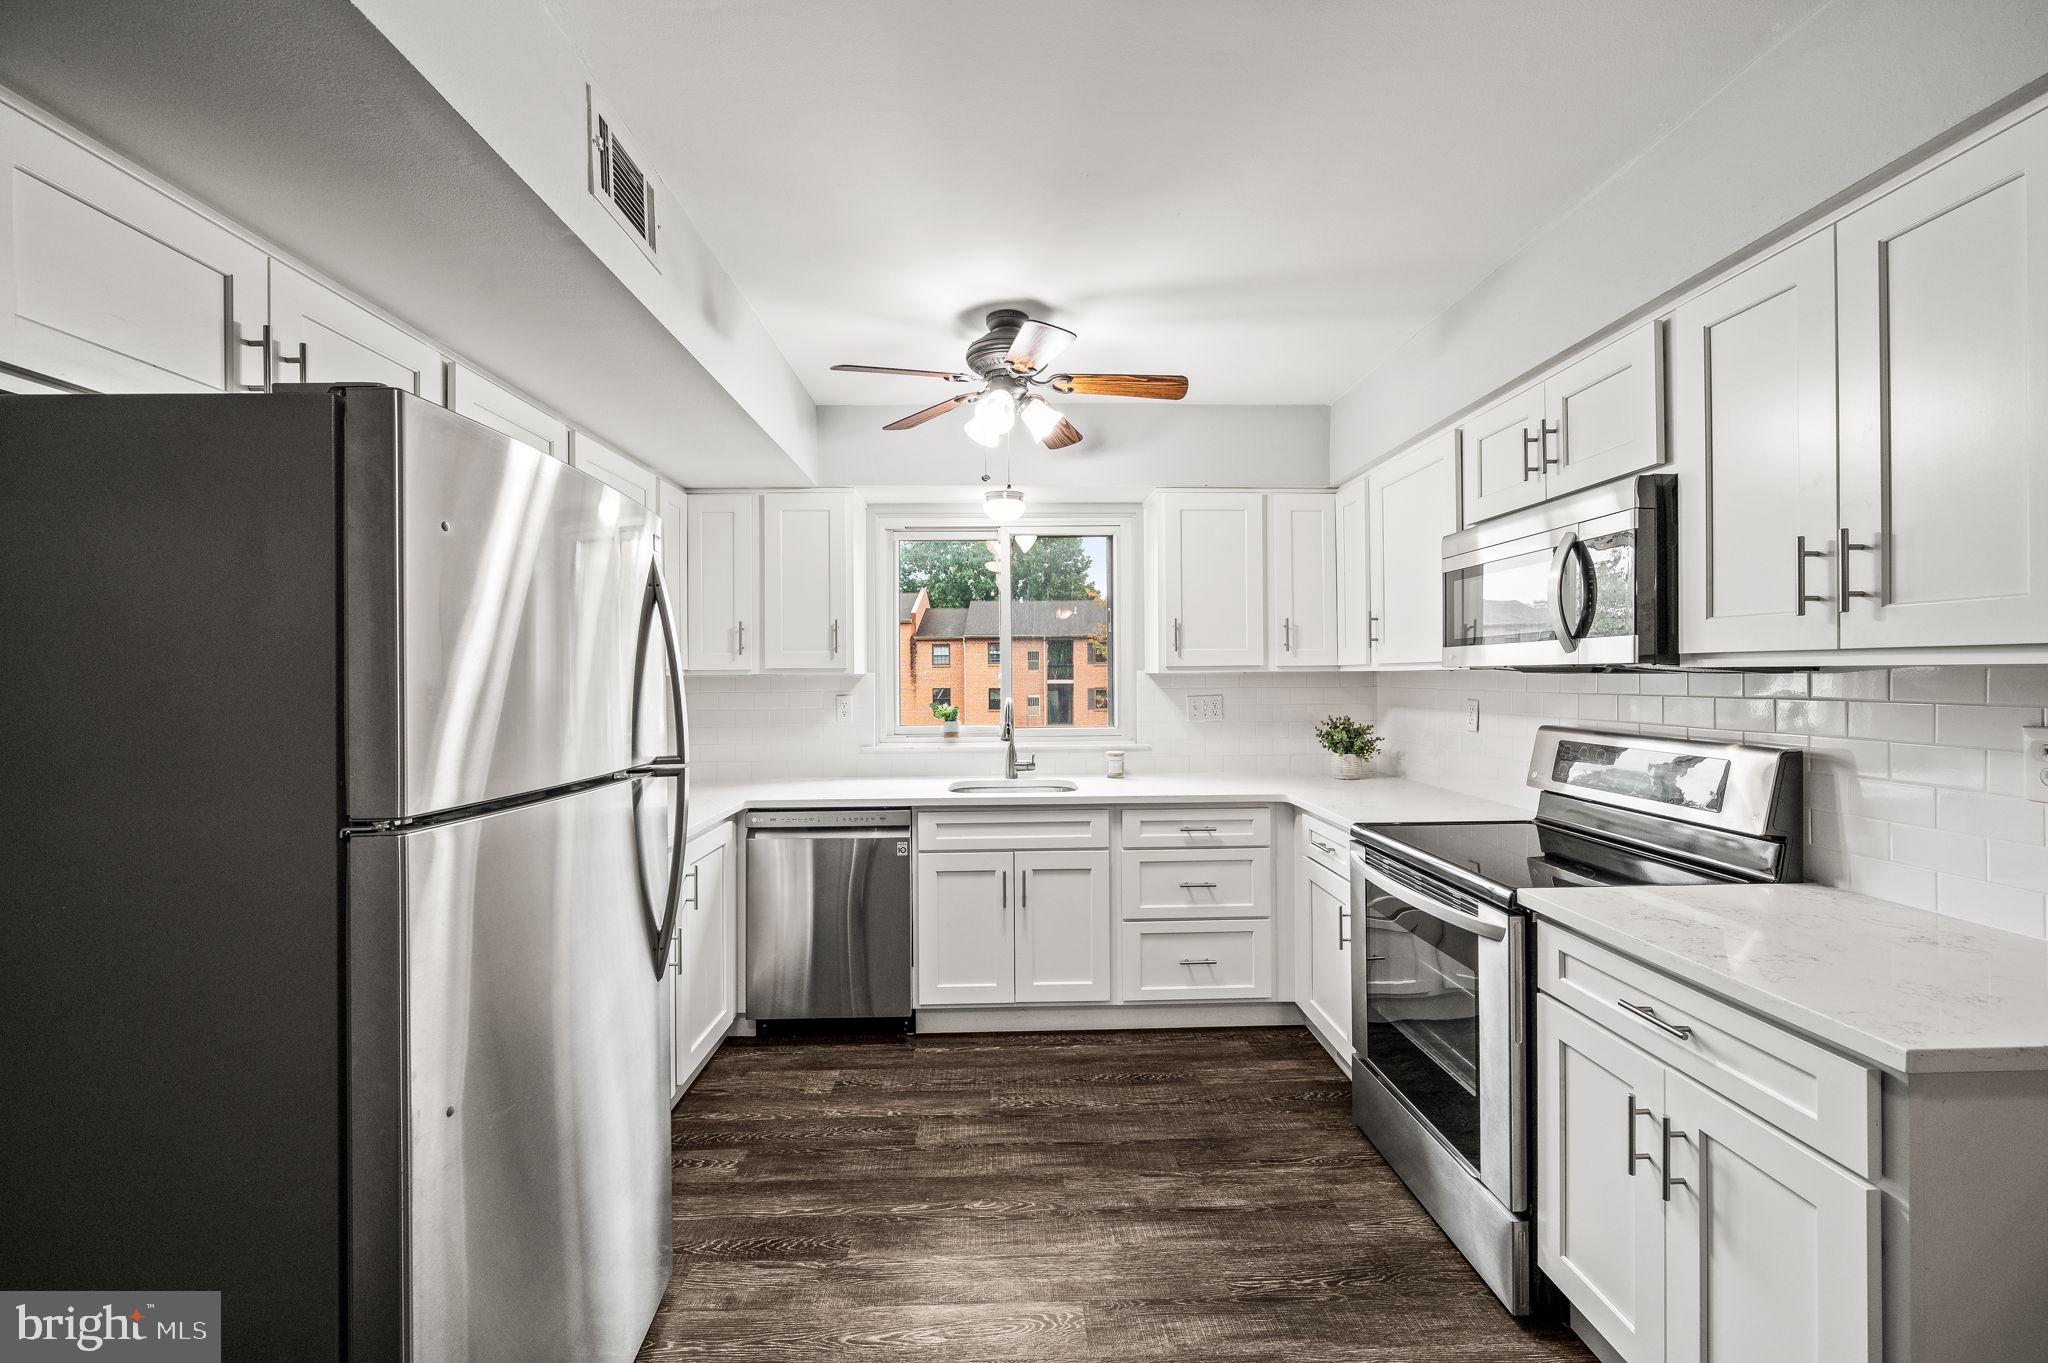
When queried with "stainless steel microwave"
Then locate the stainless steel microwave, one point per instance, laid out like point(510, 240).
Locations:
point(1586, 581)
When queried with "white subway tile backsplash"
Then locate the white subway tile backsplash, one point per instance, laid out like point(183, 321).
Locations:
point(1774, 684)
point(1997, 906)
point(1867, 684)
point(1813, 717)
point(2022, 685)
point(1642, 709)
point(1689, 711)
point(1962, 768)
point(1984, 726)
point(1959, 854)
point(1743, 714)
point(1714, 683)
point(1965, 684)
point(1894, 723)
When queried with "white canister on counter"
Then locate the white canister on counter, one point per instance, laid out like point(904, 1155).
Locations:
point(1115, 758)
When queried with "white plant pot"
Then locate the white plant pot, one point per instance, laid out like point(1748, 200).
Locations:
point(952, 728)
point(1348, 767)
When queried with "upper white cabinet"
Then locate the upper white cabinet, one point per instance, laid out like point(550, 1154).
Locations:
point(1354, 576)
point(1504, 447)
point(1302, 579)
point(810, 581)
point(504, 411)
point(318, 336)
point(615, 470)
point(724, 585)
point(1208, 581)
point(109, 284)
point(1411, 504)
point(1943, 286)
point(1596, 418)
point(1753, 434)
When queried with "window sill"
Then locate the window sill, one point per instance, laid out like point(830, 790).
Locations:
point(979, 743)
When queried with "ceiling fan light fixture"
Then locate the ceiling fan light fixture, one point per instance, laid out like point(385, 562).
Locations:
point(1003, 504)
point(1040, 418)
point(994, 414)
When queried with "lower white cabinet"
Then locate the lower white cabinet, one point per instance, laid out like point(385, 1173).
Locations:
point(704, 963)
point(1326, 917)
point(1012, 927)
point(1199, 882)
point(1685, 1229)
point(1197, 959)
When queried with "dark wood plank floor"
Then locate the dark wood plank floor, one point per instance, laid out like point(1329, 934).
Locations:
point(1198, 1197)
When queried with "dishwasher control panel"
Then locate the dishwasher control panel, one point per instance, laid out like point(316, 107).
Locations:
point(828, 818)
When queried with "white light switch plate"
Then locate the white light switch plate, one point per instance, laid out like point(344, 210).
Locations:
point(1205, 709)
point(1472, 715)
point(2034, 764)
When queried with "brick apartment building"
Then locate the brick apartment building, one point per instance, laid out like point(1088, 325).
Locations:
point(952, 656)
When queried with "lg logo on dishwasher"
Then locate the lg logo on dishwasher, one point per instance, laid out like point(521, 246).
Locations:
point(173, 1327)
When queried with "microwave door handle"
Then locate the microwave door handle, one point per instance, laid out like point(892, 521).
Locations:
point(1416, 900)
point(1560, 564)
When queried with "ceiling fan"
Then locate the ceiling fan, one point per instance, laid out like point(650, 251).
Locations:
point(1010, 362)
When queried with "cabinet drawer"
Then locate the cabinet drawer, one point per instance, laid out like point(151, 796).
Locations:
point(1197, 883)
point(1197, 960)
point(1325, 845)
point(1184, 826)
point(996, 830)
point(1828, 1101)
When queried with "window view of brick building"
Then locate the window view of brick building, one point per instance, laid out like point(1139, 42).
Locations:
point(953, 656)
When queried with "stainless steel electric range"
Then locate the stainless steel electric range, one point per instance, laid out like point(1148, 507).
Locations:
point(1442, 970)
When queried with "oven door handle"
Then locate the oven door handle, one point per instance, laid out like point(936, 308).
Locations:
point(1421, 903)
point(1560, 564)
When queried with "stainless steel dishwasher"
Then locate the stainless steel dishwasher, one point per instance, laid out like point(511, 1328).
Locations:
point(828, 915)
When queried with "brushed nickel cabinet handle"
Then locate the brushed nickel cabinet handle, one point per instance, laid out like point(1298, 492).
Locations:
point(1649, 1015)
point(298, 359)
point(1198, 828)
point(1665, 1172)
point(262, 344)
point(1198, 960)
point(1371, 637)
point(1799, 592)
point(1286, 635)
point(1635, 1158)
point(1842, 606)
point(743, 638)
point(1176, 636)
point(1198, 884)
point(1529, 438)
point(835, 638)
point(1543, 434)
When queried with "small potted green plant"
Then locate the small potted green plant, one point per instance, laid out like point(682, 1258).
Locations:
point(1351, 743)
point(948, 715)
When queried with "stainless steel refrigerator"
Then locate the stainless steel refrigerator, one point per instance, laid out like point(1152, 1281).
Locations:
point(342, 780)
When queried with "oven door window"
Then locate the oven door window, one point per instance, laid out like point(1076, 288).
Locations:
point(1422, 1015)
point(1506, 601)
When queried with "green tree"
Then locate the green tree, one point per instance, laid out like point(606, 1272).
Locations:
point(1056, 568)
point(955, 572)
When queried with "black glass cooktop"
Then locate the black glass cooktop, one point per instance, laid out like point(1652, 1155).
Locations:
point(1497, 859)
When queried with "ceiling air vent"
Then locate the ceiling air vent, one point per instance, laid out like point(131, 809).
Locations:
point(618, 179)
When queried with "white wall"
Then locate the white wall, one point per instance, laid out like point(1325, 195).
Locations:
point(512, 73)
point(1861, 85)
point(1129, 444)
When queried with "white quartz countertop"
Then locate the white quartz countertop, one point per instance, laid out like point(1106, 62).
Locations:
point(1900, 988)
point(1376, 799)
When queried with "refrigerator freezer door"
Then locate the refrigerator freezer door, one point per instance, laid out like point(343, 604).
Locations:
point(495, 605)
point(536, 1221)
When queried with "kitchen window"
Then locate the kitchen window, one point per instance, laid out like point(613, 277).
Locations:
point(1034, 602)
point(941, 695)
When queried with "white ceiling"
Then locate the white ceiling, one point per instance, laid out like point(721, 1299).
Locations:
point(1268, 198)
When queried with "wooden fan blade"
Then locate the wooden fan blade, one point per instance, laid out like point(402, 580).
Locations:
point(1172, 387)
point(1063, 435)
point(936, 409)
point(913, 373)
point(1036, 345)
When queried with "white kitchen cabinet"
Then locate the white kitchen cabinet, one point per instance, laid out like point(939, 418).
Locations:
point(810, 581)
point(1063, 927)
point(1411, 504)
point(1301, 579)
point(966, 945)
point(318, 336)
point(1325, 915)
point(673, 504)
point(705, 964)
point(1943, 296)
point(1604, 413)
point(1772, 1249)
point(501, 409)
point(1013, 927)
point(616, 471)
point(1753, 435)
point(1166, 961)
point(1599, 1198)
point(723, 586)
point(1197, 882)
point(1503, 449)
point(1354, 576)
point(109, 284)
point(1591, 420)
point(1208, 581)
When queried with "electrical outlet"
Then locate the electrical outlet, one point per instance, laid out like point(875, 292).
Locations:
point(2034, 763)
point(1205, 709)
point(1472, 715)
point(842, 709)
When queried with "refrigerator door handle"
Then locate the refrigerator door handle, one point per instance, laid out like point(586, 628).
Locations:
point(656, 607)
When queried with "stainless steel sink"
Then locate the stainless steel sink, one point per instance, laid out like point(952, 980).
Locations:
point(992, 784)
